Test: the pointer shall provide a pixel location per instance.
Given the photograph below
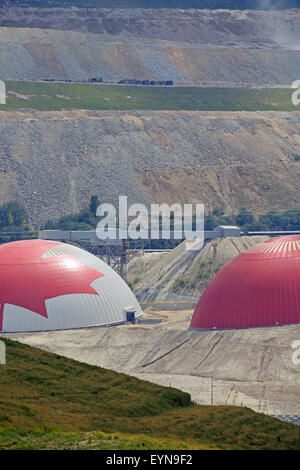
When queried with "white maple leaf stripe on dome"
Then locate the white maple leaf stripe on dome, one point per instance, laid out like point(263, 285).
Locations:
point(278, 246)
point(65, 249)
point(81, 255)
point(79, 290)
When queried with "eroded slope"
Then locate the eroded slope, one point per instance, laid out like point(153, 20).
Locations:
point(53, 162)
point(203, 47)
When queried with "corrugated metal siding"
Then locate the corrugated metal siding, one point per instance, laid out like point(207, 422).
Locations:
point(260, 287)
point(89, 292)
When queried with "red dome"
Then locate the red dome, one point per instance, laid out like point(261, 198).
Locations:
point(260, 287)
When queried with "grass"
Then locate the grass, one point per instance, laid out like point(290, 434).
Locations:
point(179, 283)
point(10, 439)
point(51, 402)
point(58, 96)
point(207, 270)
point(44, 386)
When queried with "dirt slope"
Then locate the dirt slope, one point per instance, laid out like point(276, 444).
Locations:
point(181, 274)
point(251, 367)
point(204, 47)
point(53, 162)
point(222, 27)
point(232, 186)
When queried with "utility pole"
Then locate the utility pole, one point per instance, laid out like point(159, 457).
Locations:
point(123, 260)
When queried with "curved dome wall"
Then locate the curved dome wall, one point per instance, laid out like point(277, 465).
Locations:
point(47, 285)
point(260, 287)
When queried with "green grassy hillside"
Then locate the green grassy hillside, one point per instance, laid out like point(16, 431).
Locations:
point(57, 96)
point(47, 401)
point(38, 388)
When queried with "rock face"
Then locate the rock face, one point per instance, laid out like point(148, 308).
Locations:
point(52, 162)
point(202, 47)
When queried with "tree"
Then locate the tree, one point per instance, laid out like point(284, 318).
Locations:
point(244, 217)
point(218, 211)
point(94, 204)
point(13, 215)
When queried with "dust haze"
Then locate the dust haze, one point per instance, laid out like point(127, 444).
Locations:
point(276, 4)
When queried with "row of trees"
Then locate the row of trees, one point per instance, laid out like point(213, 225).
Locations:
point(247, 221)
point(13, 218)
point(84, 220)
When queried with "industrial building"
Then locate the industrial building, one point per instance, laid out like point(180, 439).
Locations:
point(258, 288)
point(47, 285)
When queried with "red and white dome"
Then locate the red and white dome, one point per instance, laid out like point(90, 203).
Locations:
point(260, 287)
point(47, 285)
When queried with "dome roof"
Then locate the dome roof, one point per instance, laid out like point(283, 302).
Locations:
point(47, 285)
point(260, 287)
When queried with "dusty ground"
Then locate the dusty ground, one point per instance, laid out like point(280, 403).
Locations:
point(244, 367)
